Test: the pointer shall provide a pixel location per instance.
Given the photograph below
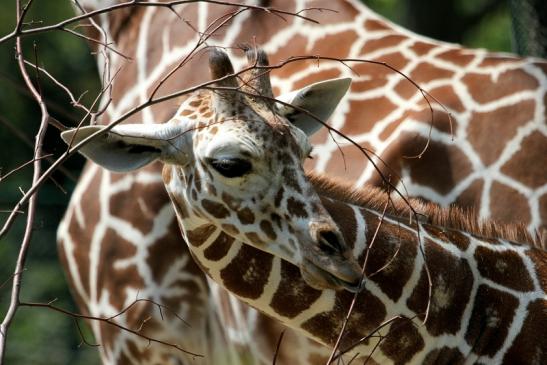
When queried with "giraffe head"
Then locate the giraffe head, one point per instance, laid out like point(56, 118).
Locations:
point(233, 159)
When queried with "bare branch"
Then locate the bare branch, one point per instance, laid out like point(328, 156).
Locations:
point(110, 322)
point(20, 167)
point(21, 259)
point(361, 283)
point(22, 137)
point(19, 32)
point(277, 347)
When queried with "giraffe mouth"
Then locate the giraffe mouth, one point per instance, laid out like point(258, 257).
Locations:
point(326, 261)
point(346, 278)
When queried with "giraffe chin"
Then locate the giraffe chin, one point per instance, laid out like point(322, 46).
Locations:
point(321, 279)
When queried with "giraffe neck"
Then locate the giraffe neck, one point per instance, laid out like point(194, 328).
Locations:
point(485, 292)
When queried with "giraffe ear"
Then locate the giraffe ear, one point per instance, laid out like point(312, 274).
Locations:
point(128, 147)
point(320, 99)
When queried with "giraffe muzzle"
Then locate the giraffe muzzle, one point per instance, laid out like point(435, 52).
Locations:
point(318, 278)
point(328, 262)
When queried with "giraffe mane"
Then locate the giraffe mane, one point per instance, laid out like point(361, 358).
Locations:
point(453, 217)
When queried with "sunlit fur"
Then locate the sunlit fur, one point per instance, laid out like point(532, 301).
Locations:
point(453, 217)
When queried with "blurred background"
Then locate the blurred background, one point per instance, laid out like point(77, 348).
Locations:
point(39, 336)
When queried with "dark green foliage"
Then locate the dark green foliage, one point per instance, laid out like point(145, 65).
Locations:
point(40, 336)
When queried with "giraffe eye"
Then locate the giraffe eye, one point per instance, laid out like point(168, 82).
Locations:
point(231, 167)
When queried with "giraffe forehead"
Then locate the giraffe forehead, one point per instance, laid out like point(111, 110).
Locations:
point(252, 138)
point(233, 141)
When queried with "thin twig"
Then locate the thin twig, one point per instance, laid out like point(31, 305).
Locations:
point(111, 322)
point(21, 259)
point(278, 347)
point(75, 102)
point(209, 85)
point(27, 142)
point(201, 40)
point(361, 284)
point(18, 32)
point(20, 167)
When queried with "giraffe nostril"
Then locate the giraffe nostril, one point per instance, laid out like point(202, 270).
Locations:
point(329, 243)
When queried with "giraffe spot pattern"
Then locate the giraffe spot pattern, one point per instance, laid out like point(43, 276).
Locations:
point(343, 40)
point(449, 236)
point(165, 251)
point(136, 352)
point(402, 341)
point(219, 248)
point(496, 265)
point(444, 356)
point(110, 277)
point(382, 107)
point(448, 301)
point(255, 238)
point(292, 296)
point(296, 208)
point(539, 258)
point(421, 48)
point(384, 42)
point(217, 210)
point(141, 212)
point(441, 166)
point(484, 88)
point(492, 315)
point(368, 313)
point(290, 180)
point(246, 216)
point(520, 206)
point(532, 148)
point(457, 57)
point(195, 103)
point(197, 236)
point(230, 229)
point(425, 72)
point(197, 181)
point(276, 219)
point(180, 206)
point(279, 197)
point(471, 197)
point(373, 24)
point(533, 349)
point(229, 201)
point(211, 190)
point(393, 261)
point(267, 228)
point(84, 236)
point(482, 124)
point(247, 274)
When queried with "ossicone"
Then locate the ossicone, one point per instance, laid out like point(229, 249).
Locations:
point(221, 66)
point(257, 80)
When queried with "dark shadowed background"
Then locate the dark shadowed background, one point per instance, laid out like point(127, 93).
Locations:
point(39, 336)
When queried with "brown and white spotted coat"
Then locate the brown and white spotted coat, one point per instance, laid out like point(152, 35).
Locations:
point(119, 239)
point(488, 302)
point(250, 216)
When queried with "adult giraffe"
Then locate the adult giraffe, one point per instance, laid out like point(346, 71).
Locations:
point(234, 173)
point(116, 249)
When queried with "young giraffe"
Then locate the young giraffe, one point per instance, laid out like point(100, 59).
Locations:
point(116, 248)
point(250, 216)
